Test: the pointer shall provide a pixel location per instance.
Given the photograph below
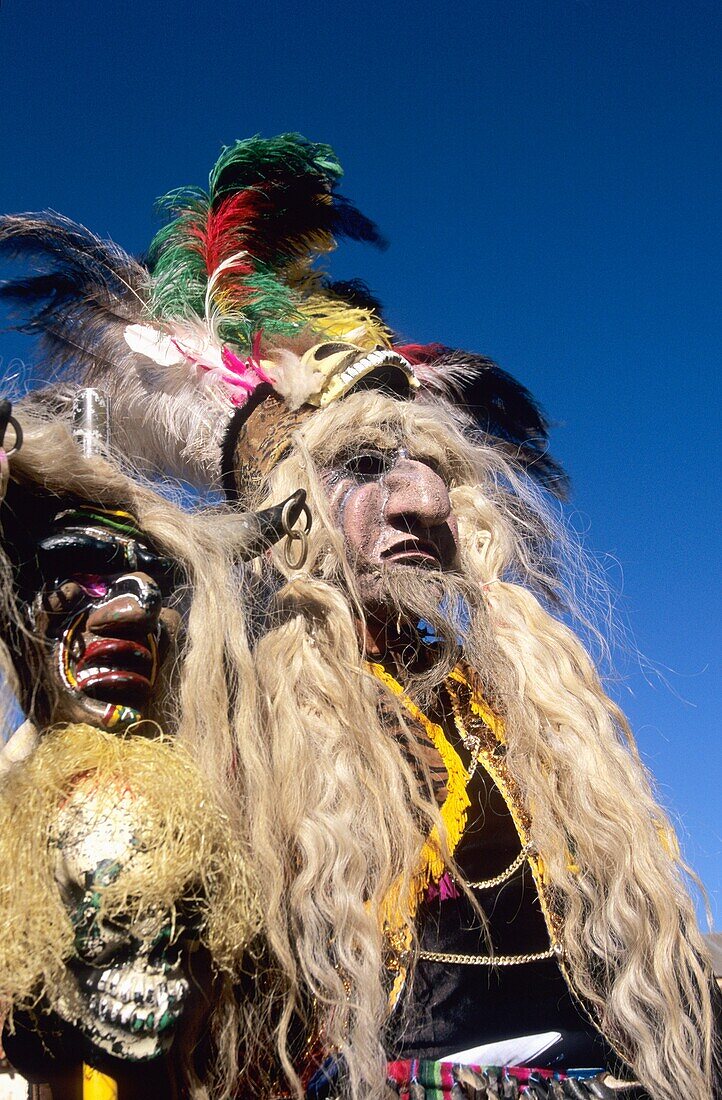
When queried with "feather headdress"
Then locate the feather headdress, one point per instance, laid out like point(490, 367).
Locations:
point(229, 306)
point(501, 406)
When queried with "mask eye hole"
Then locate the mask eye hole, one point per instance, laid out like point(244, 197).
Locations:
point(92, 583)
point(367, 465)
point(325, 350)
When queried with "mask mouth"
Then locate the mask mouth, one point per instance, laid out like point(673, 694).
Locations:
point(115, 670)
point(138, 1001)
point(414, 552)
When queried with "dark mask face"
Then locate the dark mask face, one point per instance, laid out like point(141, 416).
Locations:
point(103, 613)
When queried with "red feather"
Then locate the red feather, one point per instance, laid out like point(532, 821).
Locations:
point(227, 228)
point(420, 353)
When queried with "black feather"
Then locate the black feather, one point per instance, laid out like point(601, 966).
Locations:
point(355, 293)
point(84, 292)
point(348, 221)
point(502, 407)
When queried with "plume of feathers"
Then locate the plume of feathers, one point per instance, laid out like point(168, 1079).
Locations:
point(177, 343)
point(83, 288)
point(84, 295)
point(237, 254)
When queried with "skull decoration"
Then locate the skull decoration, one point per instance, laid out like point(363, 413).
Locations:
point(136, 879)
point(103, 610)
point(125, 988)
point(339, 367)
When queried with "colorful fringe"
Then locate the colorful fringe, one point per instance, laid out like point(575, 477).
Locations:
point(421, 1080)
point(447, 1079)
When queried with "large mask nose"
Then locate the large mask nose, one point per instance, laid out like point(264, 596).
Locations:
point(416, 496)
point(133, 603)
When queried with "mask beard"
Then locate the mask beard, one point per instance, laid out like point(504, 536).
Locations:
point(397, 598)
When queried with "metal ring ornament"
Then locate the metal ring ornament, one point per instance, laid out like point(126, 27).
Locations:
point(295, 560)
point(18, 437)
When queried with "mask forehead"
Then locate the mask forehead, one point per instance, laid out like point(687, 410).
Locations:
point(365, 420)
point(98, 541)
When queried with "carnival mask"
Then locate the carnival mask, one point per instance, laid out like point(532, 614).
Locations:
point(103, 612)
point(394, 511)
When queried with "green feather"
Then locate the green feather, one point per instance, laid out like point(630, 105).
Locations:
point(179, 275)
point(292, 172)
point(260, 160)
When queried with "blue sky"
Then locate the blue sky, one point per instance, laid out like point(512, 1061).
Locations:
point(547, 174)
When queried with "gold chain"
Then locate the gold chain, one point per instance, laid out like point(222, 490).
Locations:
point(473, 744)
point(490, 960)
point(487, 883)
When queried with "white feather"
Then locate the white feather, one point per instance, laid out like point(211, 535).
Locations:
point(154, 344)
point(294, 380)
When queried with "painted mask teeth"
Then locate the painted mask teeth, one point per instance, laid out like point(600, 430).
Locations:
point(124, 993)
point(135, 1015)
point(136, 1001)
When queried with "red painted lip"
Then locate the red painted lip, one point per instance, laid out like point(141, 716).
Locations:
point(115, 670)
point(119, 651)
point(115, 686)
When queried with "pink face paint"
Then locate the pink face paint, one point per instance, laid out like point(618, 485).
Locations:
point(92, 583)
point(394, 512)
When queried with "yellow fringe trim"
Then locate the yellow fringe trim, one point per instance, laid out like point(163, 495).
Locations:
point(480, 708)
point(456, 803)
point(97, 1085)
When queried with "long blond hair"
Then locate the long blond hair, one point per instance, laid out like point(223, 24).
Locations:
point(343, 821)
